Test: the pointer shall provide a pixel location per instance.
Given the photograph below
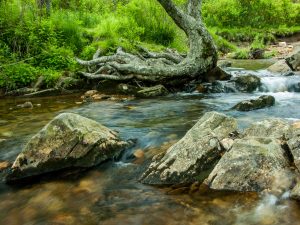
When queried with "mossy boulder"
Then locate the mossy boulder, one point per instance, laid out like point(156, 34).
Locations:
point(280, 67)
point(68, 141)
point(254, 104)
point(247, 83)
point(274, 127)
point(195, 155)
point(251, 165)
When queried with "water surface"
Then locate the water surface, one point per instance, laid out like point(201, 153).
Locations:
point(110, 194)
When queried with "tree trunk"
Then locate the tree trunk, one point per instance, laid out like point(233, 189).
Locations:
point(42, 3)
point(167, 66)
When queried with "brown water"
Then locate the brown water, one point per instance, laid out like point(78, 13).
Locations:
point(110, 194)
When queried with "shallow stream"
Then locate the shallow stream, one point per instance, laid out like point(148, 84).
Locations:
point(110, 194)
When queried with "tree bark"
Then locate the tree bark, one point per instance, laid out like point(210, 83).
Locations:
point(170, 65)
point(42, 3)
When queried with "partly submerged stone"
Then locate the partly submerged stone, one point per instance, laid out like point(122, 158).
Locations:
point(69, 140)
point(195, 155)
point(250, 165)
point(216, 74)
point(26, 105)
point(264, 101)
point(247, 83)
point(279, 67)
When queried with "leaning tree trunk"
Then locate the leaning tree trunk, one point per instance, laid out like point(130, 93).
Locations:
point(162, 67)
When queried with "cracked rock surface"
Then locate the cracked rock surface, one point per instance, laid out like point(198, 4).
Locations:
point(195, 155)
point(68, 141)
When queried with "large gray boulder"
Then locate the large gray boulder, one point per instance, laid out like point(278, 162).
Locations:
point(250, 165)
point(195, 155)
point(68, 141)
point(264, 101)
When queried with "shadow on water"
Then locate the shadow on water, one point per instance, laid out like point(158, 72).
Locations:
point(110, 193)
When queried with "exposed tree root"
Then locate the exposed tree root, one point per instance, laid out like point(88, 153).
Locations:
point(165, 66)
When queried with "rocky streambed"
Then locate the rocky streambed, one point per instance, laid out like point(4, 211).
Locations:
point(227, 152)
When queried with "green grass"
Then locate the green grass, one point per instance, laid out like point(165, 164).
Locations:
point(34, 44)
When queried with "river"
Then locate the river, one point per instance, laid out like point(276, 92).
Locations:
point(110, 193)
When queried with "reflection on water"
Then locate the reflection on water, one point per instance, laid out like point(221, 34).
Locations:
point(110, 194)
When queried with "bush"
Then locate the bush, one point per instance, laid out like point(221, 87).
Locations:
point(251, 13)
point(17, 76)
point(223, 45)
point(56, 58)
point(241, 54)
point(51, 76)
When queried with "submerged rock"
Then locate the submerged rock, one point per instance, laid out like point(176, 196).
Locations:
point(250, 165)
point(253, 104)
point(4, 165)
point(26, 105)
point(195, 155)
point(68, 141)
point(247, 83)
point(92, 95)
point(158, 90)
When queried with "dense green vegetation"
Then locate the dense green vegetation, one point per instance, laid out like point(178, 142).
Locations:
point(33, 43)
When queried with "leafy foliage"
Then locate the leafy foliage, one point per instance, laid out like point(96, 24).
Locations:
point(33, 43)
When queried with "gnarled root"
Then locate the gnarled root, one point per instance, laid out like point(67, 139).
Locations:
point(162, 67)
point(147, 66)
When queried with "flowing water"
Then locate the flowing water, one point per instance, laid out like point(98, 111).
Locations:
point(110, 193)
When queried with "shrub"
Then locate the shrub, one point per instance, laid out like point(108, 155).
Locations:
point(241, 54)
point(17, 75)
point(56, 58)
